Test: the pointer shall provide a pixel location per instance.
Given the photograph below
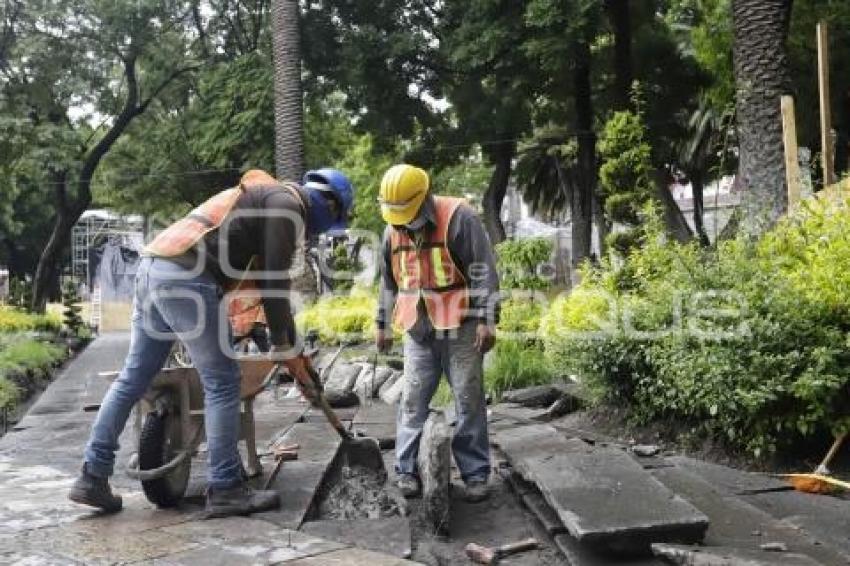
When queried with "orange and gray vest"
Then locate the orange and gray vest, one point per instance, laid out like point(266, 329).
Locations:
point(245, 307)
point(427, 271)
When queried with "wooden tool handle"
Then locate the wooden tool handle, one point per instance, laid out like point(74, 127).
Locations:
point(528, 544)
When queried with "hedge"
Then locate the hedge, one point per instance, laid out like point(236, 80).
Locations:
point(747, 342)
point(16, 320)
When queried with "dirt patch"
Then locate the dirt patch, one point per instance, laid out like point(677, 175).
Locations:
point(359, 493)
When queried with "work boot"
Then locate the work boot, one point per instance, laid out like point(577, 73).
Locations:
point(91, 490)
point(476, 491)
point(239, 500)
point(408, 485)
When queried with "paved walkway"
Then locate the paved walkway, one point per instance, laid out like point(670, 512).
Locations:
point(41, 456)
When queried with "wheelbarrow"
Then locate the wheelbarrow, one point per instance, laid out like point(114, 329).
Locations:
point(170, 425)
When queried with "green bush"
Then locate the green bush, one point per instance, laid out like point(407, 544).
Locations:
point(9, 395)
point(24, 363)
point(519, 263)
point(747, 343)
point(15, 320)
point(341, 318)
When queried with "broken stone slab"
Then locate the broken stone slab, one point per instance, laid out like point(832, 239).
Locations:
point(343, 376)
point(723, 556)
point(391, 391)
point(536, 396)
point(341, 399)
point(370, 380)
point(434, 463)
point(603, 497)
point(389, 535)
point(645, 450)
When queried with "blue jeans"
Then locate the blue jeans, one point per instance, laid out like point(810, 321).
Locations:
point(171, 303)
point(424, 364)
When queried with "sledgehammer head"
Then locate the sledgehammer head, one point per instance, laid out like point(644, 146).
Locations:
point(480, 554)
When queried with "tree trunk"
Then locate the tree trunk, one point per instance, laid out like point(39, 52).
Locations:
point(697, 186)
point(762, 76)
point(674, 219)
point(582, 202)
point(621, 22)
point(288, 97)
point(501, 156)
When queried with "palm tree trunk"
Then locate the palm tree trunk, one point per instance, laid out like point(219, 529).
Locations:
point(288, 97)
point(582, 205)
point(762, 76)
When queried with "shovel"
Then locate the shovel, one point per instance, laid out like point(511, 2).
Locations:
point(355, 451)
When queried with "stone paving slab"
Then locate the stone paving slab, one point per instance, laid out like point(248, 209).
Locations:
point(390, 535)
point(730, 480)
point(350, 557)
point(737, 524)
point(603, 497)
point(824, 517)
point(720, 556)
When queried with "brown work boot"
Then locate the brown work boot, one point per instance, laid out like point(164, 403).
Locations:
point(239, 500)
point(476, 491)
point(94, 491)
point(408, 485)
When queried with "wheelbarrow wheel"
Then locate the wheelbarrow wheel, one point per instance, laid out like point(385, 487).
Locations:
point(159, 442)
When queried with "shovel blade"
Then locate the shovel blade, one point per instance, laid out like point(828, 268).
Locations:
point(363, 452)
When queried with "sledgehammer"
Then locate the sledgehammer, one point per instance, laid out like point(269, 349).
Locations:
point(487, 555)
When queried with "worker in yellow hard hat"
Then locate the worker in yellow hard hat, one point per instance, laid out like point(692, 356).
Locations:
point(440, 282)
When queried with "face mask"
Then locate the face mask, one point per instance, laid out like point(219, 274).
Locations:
point(321, 218)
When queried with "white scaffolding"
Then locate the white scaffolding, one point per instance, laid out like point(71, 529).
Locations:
point(93, 227)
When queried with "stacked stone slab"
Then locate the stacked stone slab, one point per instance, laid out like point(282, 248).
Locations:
point(604, 498)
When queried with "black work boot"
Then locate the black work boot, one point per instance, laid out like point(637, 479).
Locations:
point(92, 490)
point(239, 500)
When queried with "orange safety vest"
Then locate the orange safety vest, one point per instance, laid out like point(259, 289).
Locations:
point(245, 308)
point(428, 272)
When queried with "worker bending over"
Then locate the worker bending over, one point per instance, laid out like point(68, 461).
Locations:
point(439, 279)
point(254, 228)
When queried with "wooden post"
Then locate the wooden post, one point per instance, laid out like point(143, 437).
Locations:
point(825, 117)
point(792, 163)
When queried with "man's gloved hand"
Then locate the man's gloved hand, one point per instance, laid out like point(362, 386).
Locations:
point(301, 369)
point(384, 340)
point(485, 338)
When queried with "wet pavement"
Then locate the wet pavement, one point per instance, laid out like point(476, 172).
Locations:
point(40, 457)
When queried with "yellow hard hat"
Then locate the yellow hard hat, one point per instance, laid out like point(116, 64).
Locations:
point(403, 189)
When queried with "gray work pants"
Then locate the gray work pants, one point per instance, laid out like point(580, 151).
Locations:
point(424, 364)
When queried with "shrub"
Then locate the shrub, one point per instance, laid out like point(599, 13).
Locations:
point(747, 342)
point(339, 318)
point(9, 395)
point(519, 263)
point(15, 320)
point(72, 319)
point(24, 361)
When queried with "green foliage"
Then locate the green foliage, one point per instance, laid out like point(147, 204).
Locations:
point(9, 394)
point(15, 320)
point(25, 362)
point(625, 175)
point(341, 261)
point(341, 318)
point(747, 343)
point(71, 317)
point(520, 261)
